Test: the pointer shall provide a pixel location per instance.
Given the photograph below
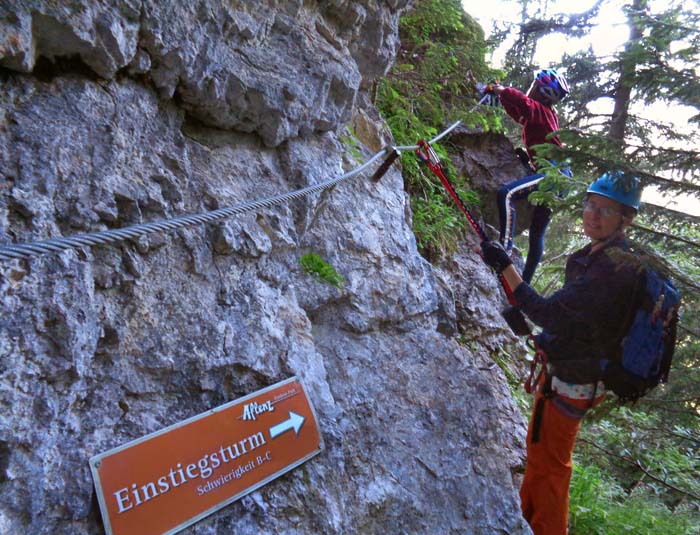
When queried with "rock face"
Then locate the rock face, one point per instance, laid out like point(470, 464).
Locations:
point(116, 113)
point(279, 69)
point(489, 160)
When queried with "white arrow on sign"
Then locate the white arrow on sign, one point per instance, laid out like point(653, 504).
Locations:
point(295, 422)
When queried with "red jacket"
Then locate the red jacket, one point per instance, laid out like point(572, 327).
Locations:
point(537, 119)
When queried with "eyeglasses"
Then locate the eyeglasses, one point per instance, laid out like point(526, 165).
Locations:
point(603, 211)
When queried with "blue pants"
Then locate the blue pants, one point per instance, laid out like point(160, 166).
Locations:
point(507, 195)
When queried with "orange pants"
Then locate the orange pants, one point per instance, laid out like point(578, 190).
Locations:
point(545, 490)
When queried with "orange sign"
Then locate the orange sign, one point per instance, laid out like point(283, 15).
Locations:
point(166, 481)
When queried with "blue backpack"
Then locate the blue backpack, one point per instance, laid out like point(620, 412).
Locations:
point(647, 347)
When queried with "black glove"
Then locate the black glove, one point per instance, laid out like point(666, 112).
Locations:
point(495, 255)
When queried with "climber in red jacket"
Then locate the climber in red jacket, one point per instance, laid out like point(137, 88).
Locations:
point(535, 113)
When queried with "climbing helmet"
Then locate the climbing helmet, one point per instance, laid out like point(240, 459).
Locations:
point(551, 85)
point(627, 190)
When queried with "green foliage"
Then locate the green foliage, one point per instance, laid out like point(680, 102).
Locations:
point(352, 144)
point(648, 457)
point(314, 265)
point(436, 224)
point(432, 85)
point(664, 70)
point(432, 19)
point(599, 506)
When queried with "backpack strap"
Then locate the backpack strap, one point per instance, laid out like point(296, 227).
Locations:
point(671, 334)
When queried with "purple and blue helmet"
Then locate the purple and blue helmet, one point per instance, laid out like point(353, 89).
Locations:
point(551, 85)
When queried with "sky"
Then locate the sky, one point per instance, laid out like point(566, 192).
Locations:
point(607, 37)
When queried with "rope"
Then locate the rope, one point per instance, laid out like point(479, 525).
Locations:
point(37, 248)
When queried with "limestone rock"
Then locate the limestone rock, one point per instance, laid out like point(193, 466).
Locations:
point(151, 111)
point(488, 159)
point(280, 70)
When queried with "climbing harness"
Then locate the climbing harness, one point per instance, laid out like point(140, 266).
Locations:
point(534, 377)
point(550, 394)
point(544, 380)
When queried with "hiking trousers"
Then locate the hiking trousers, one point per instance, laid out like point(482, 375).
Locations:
point(505, 199)
point(507, 195)
point(544, 493)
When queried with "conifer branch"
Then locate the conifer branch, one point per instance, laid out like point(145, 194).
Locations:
point(638, 464)
point(691, 332)
point(665, 235)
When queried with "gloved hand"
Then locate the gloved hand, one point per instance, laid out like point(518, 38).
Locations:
point(495, 255)
point(489, 86)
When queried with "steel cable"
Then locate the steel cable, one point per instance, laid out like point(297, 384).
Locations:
point(56, 245)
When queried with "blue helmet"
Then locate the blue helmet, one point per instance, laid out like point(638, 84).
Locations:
point(551, 85)
point(626, 190)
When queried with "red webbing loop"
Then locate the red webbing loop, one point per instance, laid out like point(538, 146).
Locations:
point(540, 359)
point(426, 153)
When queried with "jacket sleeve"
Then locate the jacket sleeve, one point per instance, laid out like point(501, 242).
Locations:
point(518, 106)
point(590, 302)
point(555, 313)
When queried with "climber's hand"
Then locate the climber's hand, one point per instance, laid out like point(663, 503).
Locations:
point(495, 256)
point(490, 86)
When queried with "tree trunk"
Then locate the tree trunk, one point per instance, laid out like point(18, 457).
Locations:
point(628, 64)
